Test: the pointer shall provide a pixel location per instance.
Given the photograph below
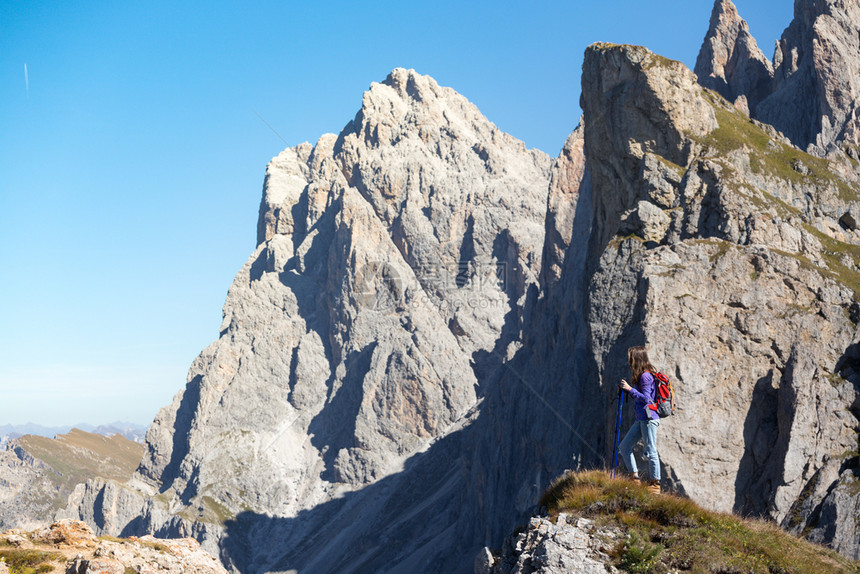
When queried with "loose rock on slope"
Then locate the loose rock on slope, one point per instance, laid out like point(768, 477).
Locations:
point(73, 544)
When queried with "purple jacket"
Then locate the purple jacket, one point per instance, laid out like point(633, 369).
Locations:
point(644, 396)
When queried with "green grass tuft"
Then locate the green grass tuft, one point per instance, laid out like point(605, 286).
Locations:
point(767, 156)
point(834, 253)
point(667, 533)
point(29, 561)
point(638, 555)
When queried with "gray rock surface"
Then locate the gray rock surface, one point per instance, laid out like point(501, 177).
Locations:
point(147, 554)
point(746, 299)
point(37, 473)
point(730, 61)
point(365, 302)
point(817, 76)
point(29, 489)
point(836, 518)
point(661, 104)
point(810, 91)
point(73, 547)
point(545, 547)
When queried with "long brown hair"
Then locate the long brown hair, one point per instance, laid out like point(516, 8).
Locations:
point(639, 363)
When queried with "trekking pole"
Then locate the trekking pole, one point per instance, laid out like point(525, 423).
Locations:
point(617, 432)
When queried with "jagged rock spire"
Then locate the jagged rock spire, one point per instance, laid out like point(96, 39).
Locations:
point(811, 90)
point(817, 76)
point(730, 61)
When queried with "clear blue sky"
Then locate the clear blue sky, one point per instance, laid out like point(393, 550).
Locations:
point(132, 160)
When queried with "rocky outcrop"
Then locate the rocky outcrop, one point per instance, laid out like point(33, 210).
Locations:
point(746, 292)
point(810, 91)
point(147, 554)
point(568, 544)
point(817, 76)
point(831, 521)
point(73, 545)
point(730, 61)
point(660, 106)
point(28, 493)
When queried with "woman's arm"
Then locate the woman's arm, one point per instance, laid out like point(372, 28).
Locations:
point(645, 392)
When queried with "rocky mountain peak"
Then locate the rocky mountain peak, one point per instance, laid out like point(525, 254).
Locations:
point(810, 92)
point(730, 62)
point(409, 84)
point(817, 76)
point(390, 279)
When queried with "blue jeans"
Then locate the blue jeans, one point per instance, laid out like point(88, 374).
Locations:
point(648, 429)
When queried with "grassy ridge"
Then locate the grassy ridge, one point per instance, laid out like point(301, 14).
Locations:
point(667, 533)
point(80, 452)
point(79, 456)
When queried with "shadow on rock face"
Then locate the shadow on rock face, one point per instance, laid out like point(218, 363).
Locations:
point(848, 368)
point(397, 524)
point(761, 430)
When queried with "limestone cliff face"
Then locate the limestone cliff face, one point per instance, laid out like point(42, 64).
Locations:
point(391, 274)
point(435, 318)
point(390, 257)
point(810, 91)
point(737, 274)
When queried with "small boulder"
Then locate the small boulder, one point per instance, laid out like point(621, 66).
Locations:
point(69, 532)
point(659, 181)
point(742, 105)
point(96, 566)
point(800, 167)
point(647, 221)
point(848, 221)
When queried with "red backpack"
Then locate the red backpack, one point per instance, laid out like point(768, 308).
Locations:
point(664, 396)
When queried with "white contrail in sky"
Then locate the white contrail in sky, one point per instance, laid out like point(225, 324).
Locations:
point(26, 80)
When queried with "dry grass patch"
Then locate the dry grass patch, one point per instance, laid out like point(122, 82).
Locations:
point(29, 561)
point(668, 533)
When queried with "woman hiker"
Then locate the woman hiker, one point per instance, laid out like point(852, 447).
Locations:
point(647, 420)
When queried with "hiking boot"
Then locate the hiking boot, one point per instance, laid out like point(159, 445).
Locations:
point(635, 479)
point(654, 487)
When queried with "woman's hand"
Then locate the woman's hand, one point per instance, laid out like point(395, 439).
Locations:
point(624, 386)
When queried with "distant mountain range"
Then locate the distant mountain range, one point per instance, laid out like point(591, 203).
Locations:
point(131, 431)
